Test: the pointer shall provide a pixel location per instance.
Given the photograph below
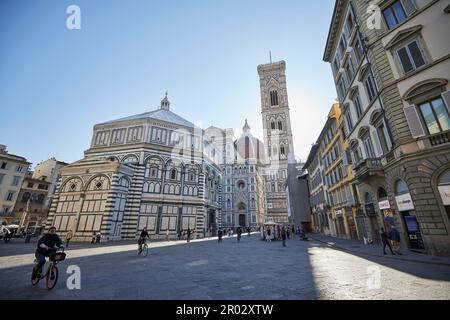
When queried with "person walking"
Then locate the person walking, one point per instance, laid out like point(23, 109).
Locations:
point(94, 236)
point(180, 233)
point(283, 236)
point(239, 234)
point(69, 236)
point(98, 237)
point(269, 235)
point(288, 233)
point(394, 235)
point(385, 241)
point(219, 235)
point(167, 234)
point(188, 234)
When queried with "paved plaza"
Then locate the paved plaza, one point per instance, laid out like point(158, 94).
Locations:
point(206, 269)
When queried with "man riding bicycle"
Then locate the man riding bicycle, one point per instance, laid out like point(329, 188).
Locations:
point(142, 237)
point(46, 247)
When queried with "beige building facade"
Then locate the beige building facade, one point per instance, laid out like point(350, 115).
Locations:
point(391, 65)
point(12, 173)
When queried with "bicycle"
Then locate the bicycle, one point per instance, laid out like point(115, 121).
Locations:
point(51, 274)
point(143, 249)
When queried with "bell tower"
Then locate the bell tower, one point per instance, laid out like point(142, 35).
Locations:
point(277, 136)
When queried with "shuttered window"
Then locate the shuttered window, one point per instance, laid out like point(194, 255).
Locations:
point(435, 116)
point(414, 123)
point(411, 56)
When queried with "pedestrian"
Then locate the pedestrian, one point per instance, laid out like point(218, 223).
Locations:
point(288, 233)
point(180, 234)
point(269, 235)
point(167, 234)
point(98, 237)
point(385, 241)
point(248, 231)
point(394, 235)
point(293, 231)
point(219, 235)
point(69, 236)
point(94, 236)
point(283, 236)
point(188, 234)
point(239, 233)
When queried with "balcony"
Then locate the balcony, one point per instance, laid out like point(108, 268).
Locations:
point(439, 138)
point(367, 168)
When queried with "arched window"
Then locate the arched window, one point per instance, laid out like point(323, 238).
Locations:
point(272, 125)
point(382, 194)
point(274, 98)
point(445, 178)
point(280, 125)
point(274, 151)
point(241, 206)
point(173, 174)
point(228, 203)
point(282, 151)
point(401, 188)
point(273, 187)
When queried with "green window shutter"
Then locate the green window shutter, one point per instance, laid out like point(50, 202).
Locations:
point(414, 123)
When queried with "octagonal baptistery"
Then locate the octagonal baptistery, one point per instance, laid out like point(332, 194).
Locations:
point(147, 170)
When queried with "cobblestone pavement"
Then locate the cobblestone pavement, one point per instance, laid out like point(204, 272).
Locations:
point(205, 269)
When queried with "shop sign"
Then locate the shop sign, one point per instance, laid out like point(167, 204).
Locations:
point(445, 194)
point(383, 205)
point(404, 202)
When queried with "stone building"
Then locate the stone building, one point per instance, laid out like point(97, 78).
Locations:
point(49, 170)
point(31, 209)
point(277, 137)
point(12, 173)
point(391, 66)
point(243, 191)
point(147, 170)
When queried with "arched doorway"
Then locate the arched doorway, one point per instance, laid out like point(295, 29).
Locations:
point(444, 191)
point(242, 214)
point(405, 207)
point(369, 208)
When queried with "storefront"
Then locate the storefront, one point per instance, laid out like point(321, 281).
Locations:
point(444, 191)
point(406, 209)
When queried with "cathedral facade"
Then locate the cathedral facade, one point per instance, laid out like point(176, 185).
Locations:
point(160, 171)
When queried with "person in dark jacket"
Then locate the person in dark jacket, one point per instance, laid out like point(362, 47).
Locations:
point(239, 234)
point(283, 236)
point(188, 234)
point(394, 235)
point(46, 247)
point(385, 241)
point(144, 235)
point(219, 235)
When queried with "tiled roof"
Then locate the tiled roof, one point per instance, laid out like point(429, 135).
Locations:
point(159, 114)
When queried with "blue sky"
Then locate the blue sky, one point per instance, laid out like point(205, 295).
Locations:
point(55, 83)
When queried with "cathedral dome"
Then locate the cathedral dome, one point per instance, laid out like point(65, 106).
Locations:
point(249, 147)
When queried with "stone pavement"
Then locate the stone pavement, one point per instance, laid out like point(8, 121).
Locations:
point(206, 269)
point(376, 250)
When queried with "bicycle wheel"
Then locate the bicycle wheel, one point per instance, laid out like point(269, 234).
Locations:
point(52, 277)
point(145, 250)
point(35, 277)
